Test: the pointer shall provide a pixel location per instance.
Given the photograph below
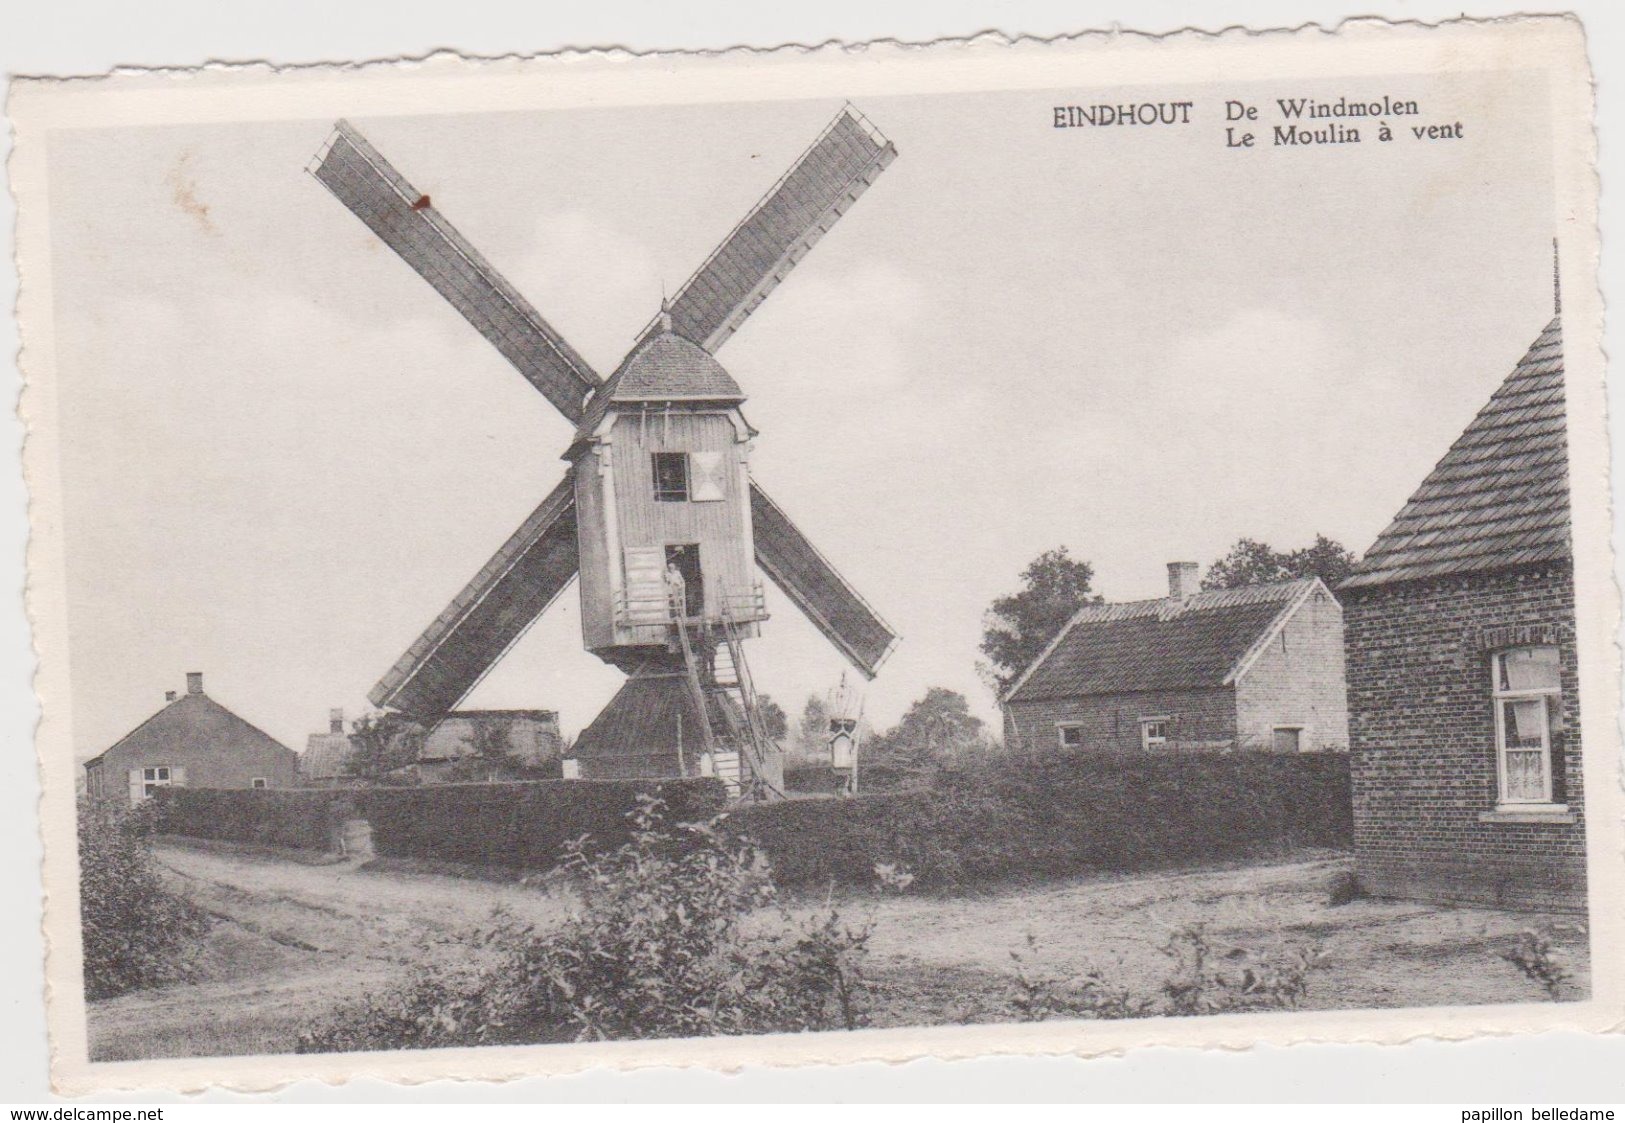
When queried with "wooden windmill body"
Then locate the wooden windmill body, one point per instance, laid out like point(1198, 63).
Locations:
point(657, 513)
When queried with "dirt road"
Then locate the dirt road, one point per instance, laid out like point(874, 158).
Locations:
point(294, 939)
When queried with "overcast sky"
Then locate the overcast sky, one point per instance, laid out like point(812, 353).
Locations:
point(283, 452)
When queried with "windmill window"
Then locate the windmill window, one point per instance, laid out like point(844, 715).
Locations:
point(1526, 686)
point(671, 477)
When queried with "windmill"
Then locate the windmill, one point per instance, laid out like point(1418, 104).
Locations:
point(657, 512)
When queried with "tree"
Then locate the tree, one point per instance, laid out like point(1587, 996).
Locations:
point(1017, 627)
point(493, 756)
point(937, 728)
point(380, 744)
point(774, 720)
point(1251, 562)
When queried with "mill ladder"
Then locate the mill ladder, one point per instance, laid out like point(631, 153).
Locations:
point(720, 686)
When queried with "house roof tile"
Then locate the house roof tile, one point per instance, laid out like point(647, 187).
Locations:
point(192, 721)
point(1159, 644)
point(1499, 498)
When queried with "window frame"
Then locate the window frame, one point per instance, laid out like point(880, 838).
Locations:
point(1148, 743)
point(258, 783)
point(671, 494)
point(151, 780)
point(1550, 698)
point(1300, 730)
point(1062, 728)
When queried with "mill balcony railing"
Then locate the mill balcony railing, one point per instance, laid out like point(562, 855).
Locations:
point(733, 604)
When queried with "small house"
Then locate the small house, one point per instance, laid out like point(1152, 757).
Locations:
point(326, 757)
point(513, 740)
point(1463, 690)
point(1259, 667)
point(194, 742)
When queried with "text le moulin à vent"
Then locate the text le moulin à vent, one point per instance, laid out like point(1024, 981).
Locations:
point(1302, 120)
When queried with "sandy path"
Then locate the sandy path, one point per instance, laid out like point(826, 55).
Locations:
point(295, 939)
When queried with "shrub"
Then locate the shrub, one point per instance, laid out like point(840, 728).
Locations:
point(136, 933)
point(1039, 996)
point(1345, 889)
point(659, 947)
point(1534, 955)
point(1210, 980)
point(1203, 979)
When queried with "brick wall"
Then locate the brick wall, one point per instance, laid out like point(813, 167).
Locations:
point(1298, 680)
point(1200, 718)
point(1422, 730)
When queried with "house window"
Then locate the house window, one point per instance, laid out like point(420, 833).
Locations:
point(1153, 732)
point(671, 477)
point(154, 778)
point(1071, 735)
point(1525, 682)
point(1287, 739)
point(258, 782)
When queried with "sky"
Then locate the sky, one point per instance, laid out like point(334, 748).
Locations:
point(283, 453)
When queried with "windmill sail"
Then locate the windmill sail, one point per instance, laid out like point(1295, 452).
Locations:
point(839, 166)
point(833, 606)
point(477, 628)
point(355, 172)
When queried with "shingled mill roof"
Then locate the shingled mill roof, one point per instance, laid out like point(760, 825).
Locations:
point(663, 368)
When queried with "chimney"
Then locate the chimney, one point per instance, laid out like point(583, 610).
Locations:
point(194, 682)
point(169, 695)
point(1182, 583)
point(335, 720)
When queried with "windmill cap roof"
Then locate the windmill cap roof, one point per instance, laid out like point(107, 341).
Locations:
point(665, 367)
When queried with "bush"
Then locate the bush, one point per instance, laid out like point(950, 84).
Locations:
point(136, 933)
point(522, 825)
point(1059, 815)
point(1203, 979)
point(658, 948)
point(1539, 961)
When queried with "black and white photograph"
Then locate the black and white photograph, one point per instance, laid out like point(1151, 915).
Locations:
point(1100, 543)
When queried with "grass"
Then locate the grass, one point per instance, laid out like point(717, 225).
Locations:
point(295, 938)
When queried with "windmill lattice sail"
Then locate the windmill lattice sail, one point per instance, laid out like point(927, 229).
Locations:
point(484, 620)
point(799, 209)
point(835, 608)
point(700, 509)
point(359, 176)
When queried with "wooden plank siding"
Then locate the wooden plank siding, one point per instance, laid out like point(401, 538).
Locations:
point(720, 528)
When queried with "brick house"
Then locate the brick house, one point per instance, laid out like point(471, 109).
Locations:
point(194, 742)
point(1257, 667)
point(1462, 668)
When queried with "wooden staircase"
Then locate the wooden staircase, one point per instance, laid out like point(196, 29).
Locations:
point(720, 687)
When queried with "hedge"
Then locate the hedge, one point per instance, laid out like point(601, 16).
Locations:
point(1065, 813)
point(1005, 819)
point(298, 819)
point(521, 824)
